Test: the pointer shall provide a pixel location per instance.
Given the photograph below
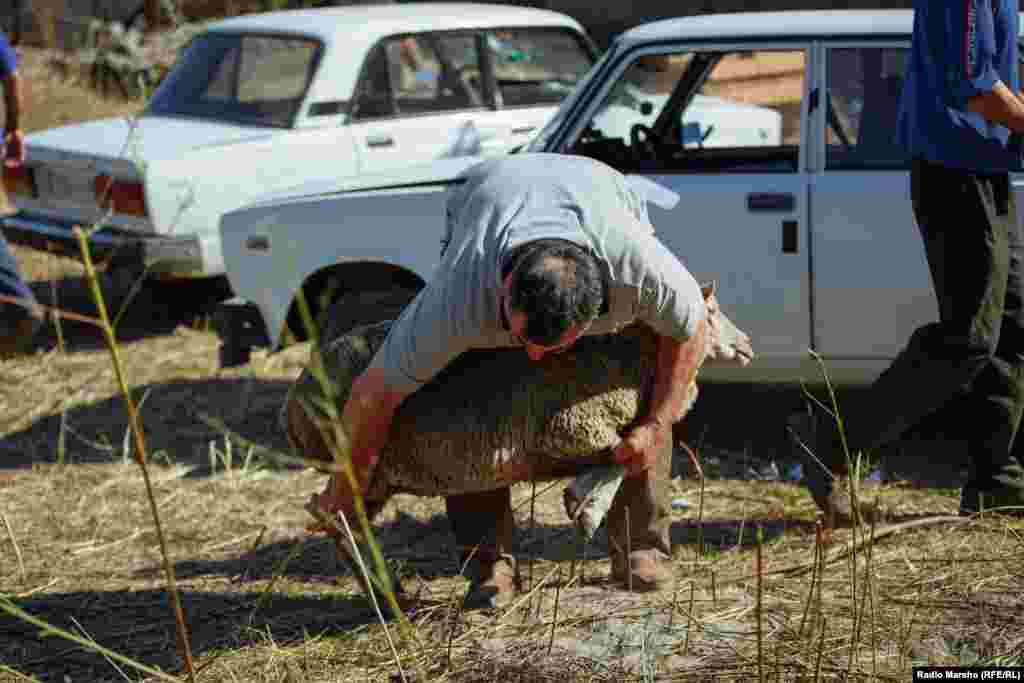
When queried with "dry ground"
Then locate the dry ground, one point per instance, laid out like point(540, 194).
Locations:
point(264, 601)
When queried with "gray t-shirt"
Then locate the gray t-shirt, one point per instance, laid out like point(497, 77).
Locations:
point(504, 203)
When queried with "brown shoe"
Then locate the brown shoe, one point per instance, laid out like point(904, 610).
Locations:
point(645, 570)
point(494, 583)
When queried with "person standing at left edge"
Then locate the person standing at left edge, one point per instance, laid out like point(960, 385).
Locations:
point(20, 315)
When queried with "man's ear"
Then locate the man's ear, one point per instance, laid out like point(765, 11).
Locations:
point(707, 289)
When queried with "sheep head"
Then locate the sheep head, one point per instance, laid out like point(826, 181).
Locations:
point(725, 343)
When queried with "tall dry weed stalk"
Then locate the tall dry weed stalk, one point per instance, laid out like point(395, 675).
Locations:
point(110, 336)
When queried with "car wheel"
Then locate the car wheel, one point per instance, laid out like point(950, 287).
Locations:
point(354, 309)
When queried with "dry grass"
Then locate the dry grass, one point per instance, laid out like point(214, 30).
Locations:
point(941, 595)
point(52, 100)
point(266, 602)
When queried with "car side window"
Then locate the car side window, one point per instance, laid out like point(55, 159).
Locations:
point(702, 112)
point(435, 72)
point(861, 107)
point(536, 67)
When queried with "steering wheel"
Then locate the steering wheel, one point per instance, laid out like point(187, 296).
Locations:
point(641, 142)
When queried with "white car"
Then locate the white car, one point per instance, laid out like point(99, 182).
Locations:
point(801, 214)
point(263, 102)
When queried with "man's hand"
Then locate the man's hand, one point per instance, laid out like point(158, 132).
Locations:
point(336, 497)
point(367, 419)
point(1000, 105)
point(675, 369)
point(639, 450)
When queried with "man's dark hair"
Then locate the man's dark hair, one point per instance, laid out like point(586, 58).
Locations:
point(556, 284)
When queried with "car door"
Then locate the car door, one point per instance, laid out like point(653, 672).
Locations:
point(713, 136)
point(533, 69)
point(417, 100)
point(871, 281)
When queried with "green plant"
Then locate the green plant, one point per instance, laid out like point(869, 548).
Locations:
point(117, 60)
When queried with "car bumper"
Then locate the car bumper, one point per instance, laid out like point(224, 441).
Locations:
point(240, 327)
point(158, 254)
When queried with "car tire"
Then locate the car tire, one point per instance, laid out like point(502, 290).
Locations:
point(354, 309)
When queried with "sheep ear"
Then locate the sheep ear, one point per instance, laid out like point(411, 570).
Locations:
point(707, 289)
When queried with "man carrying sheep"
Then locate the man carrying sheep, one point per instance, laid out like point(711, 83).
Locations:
point(541, 249)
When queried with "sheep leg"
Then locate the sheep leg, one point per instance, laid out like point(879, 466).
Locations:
point(589, 497)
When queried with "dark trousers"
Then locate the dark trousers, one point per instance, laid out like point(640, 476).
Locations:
point(12, 285)
point(975, 352)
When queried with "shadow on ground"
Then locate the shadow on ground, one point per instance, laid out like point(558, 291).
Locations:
point(735, 428)
point(139, 624)
point(172, 415)
point(156, 309)
point(427, 549)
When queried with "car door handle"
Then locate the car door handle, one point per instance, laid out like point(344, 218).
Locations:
point(789, 237)
point(380, 141)
point(523, 130)
point(770, 202)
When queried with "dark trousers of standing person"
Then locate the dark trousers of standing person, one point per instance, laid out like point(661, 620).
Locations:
point(974, 353)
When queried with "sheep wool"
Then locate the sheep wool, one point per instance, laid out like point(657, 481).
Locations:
point(490, 418)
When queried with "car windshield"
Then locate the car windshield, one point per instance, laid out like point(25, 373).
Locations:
point(256, 80)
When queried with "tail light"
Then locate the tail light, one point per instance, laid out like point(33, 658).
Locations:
point(18, 180)
point(122, 196)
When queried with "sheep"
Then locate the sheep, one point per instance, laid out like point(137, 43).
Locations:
point(493, 417)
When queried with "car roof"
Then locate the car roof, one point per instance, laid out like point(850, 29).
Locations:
point(767, 25)
point(369, 23)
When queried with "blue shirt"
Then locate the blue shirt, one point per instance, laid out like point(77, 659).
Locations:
point(961, 48)
point(8, 60)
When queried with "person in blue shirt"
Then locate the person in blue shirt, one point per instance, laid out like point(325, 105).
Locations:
point(961, 114)
point(20, 316)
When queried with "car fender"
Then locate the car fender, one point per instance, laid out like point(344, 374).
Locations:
point(272, 250)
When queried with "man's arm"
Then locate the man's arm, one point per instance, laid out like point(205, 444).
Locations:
point(675, 368)
point(14, 145)
point(12, 102)
point(420, 343)
point(366, 420)
point(971, 55)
